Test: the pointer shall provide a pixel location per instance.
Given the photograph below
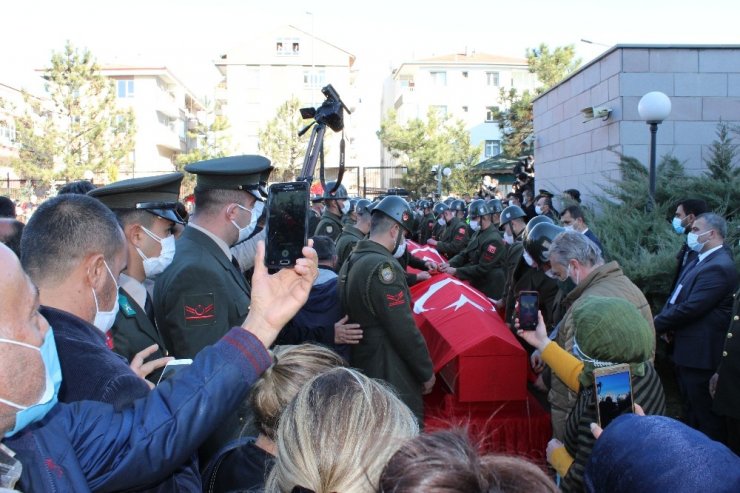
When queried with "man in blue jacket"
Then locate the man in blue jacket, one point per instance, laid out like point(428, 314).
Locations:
point(696, 317)
point(88, 446)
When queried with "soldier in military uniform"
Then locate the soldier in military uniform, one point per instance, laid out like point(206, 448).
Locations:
point(454, 237)
point(724, 386)
point(497, 208)
point(314, 215)
point(351, 234)
point(145, 207)
point(336, 205)
point(482, 261)
point(427, 222)
point(374, 293)
point(440, 222)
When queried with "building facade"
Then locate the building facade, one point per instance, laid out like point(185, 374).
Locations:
point(461, 86)
point(571, 151)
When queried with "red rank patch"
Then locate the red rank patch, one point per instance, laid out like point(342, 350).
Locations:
point(458, 238)
point(395, 299)
point(199, 312)
point(487, 257)
point(491, 249)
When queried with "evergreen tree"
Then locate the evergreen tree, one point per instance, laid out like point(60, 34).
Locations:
point(78, 128)
point(553, 67)
point(722, 154)
point(279, 141)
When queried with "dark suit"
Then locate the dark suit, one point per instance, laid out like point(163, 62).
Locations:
point(727, 398)
point(199, 297)
point(133, 332)
point(591, 236)
point(698, 319)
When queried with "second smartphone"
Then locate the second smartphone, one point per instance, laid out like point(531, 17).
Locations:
point(286, 230)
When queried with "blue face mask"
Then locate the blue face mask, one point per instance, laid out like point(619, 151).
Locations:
point(677, 226)
point(30, 414)
point(692, 240)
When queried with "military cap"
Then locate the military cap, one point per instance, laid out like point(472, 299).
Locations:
point(546, 193)
point(246, 172)
point(155, 194)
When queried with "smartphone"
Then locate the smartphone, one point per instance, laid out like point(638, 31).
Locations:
point(286, 231)
point(613, 389)
point(528, 306)
point(173, 367)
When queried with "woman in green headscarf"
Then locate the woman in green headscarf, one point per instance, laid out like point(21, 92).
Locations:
point(608, 331)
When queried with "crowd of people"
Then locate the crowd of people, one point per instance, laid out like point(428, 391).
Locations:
point(311, 378)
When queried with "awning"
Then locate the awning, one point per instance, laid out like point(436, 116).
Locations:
point(500, 167)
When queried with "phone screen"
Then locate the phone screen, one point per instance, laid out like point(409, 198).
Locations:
point(287, 218)
point(528, 307)
point(173, 367)
point(613, 394)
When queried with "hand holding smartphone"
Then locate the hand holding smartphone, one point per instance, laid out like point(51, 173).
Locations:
point(613, 389)
point(286, 231)
point(527, 307)
point(173, 367)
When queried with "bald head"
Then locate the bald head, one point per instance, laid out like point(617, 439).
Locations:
point(63, 232)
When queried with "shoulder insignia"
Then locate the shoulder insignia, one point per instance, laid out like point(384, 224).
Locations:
point(126, 308)
point(329, 229)
point(200, 309)
point(395, 299)
point(491, 249)
point(387, 275)
point(461, 230)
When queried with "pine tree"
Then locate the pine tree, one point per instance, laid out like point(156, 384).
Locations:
point(279, 141)
point(722, 154)
point(78, 128)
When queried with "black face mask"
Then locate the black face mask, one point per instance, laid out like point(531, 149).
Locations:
point(566, 286)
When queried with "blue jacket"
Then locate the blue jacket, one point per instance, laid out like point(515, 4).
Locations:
point(87, 446)
point(700, 312)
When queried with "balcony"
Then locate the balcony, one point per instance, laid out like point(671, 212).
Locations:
point(166, 104)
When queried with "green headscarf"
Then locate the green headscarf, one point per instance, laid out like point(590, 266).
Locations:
point(610, 331)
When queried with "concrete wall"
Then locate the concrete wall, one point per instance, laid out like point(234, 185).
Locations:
point(703, 83)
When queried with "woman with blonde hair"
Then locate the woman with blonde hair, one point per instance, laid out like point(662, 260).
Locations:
point(338, 433)
point(244, 464)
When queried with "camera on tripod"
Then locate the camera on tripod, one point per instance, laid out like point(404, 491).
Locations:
point(330, 113)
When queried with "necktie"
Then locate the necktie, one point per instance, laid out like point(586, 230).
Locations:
point(235, 262)
point(148, 309)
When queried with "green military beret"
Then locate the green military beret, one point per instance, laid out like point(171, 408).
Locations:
point(247, 172)
point(155, 194)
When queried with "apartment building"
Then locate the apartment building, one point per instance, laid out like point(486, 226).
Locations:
point(163, 107)
point(462, 86)
point(267, 71)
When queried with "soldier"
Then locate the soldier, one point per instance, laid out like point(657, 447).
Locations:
point(496, 207)
point(145, 208)
point(351, 234)
point(482, 260)
point(455, 235)
point(314, 215)
point(427, 222)
point(374, 293)
point(440, 223)
point(336, 205)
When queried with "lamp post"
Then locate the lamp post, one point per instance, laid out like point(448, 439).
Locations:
point(439, 171)
point(654, 107)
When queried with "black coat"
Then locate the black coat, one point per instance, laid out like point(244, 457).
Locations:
point(727, 398)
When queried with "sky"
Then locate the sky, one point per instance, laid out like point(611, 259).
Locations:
point(186, 35)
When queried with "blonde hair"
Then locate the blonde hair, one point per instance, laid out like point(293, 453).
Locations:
point(338, 433)
point(293, 366)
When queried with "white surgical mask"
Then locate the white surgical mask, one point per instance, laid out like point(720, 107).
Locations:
point(400, 248)
point(441, 221)
point(692, 240)
point(551, 274)
point(153, 266)
point(474, 225)
point(256, 212)
point(569, 227)
point(105, 320)
point(530, 261)
point(345, 207)
point(508, 239)
point(538, 210)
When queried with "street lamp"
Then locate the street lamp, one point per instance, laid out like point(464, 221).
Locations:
point(439, 171)
point(654, 107)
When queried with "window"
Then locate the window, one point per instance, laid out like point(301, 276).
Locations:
point(439, 78)
point(312, 80)
point(287, 46)
point(125, 88)
point(492, 79)
point(491, 113)
point(441, 111)
point(7, 132)
point(493, 148)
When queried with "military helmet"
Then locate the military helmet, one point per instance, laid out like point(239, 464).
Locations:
point(495, 205)
point(426, 204)
point(362, 206)
point(539, 239)
point(352, 204)
point(339, 194)
point(397, 209)
point(534, 222)
point(440, 207)
point(449, 200)
point(512, 212)
point(479, 208)
point(457, 205)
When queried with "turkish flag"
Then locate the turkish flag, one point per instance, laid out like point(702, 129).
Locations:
point(424, 252)
point(469, 343)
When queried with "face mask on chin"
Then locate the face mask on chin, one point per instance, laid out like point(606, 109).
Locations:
point(105, 320)
point(53, 372)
